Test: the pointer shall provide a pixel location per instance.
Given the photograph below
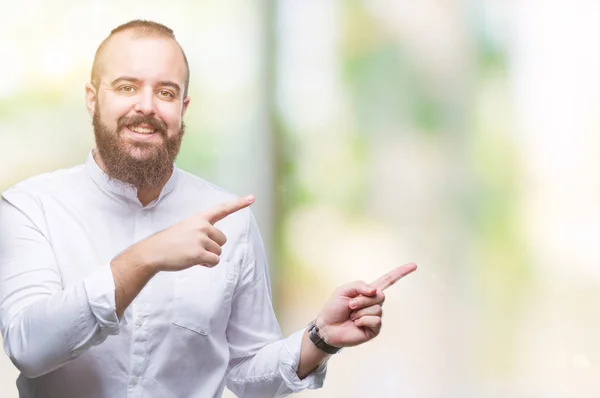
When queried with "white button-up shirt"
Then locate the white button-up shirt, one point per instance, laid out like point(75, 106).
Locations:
point(187, 334)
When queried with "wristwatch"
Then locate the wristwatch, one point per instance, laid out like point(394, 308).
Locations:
point(315, 337)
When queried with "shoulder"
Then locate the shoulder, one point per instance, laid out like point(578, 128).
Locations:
point(30, 196)
point(45, 184)
point(209, 192)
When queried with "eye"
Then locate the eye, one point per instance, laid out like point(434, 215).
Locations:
point(166, 94)
point(126, 89)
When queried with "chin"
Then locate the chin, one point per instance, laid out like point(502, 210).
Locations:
point(141, 152)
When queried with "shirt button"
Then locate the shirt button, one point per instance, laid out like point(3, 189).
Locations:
point(139, 322)
point(134, 380)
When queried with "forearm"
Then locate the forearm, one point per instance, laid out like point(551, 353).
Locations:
point(59, 327)
point(131, 272)
point(257, 375)
point(272, 371)
point(311, 357)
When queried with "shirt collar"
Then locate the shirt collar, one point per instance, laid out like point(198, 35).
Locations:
point(123, 189)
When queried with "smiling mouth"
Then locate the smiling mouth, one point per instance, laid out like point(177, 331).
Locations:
point(142, 129)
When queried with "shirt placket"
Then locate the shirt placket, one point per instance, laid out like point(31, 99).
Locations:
point(140, 311)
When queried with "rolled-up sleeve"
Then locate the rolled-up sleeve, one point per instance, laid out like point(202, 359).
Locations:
point(289, 360)
point(263, 363)
point(100, 290)
point(44, 324)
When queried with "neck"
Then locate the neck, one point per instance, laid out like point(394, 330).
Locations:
point(148, 194)
point(145, 194)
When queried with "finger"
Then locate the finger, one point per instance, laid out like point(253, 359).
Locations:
point(216, 235)
point(373, 310)
point(393, 276)
point(371, 322)
point(356, 289)
point(210, 260)
point(363, 301)
point(367, 290)
point(211, 246)
point(223, 210)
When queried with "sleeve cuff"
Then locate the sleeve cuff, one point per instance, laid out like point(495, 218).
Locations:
point(100, 290)
point(288, 365)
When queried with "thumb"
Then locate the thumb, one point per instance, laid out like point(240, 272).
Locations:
point(355, 289)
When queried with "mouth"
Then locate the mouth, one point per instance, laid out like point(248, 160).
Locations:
point(141, 132)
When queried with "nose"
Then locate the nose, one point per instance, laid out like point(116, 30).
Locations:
point(146, 102)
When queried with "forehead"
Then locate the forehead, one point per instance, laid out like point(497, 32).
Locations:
point(147, 58)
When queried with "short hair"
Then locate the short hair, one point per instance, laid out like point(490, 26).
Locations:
point(141, 28)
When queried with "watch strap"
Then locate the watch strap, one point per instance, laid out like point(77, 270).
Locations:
point(315, 337)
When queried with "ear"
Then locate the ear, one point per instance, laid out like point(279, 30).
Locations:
point(186, 102)
point(91, 96)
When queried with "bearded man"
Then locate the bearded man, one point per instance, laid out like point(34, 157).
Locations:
point(126, 276)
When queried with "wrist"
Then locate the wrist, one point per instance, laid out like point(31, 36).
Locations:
point(146, 257)
point(317, 336)
point(322, 327)
point(137, 257)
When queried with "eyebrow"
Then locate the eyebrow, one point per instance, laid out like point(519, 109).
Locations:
point(167, 83)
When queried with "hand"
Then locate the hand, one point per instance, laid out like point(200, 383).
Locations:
point(352, 315)
point(194, 241)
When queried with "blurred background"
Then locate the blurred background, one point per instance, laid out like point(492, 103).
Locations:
point(458, 134)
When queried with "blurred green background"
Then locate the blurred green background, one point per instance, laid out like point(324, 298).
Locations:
point(458, 134)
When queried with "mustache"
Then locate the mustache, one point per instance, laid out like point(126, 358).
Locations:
point(158, 125)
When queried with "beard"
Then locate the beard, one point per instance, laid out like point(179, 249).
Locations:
point(155, 164)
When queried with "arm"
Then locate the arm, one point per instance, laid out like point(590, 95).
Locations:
point(194, 241)
point(131, 272)
point(44, 324)
point(262, 363)
point(311, 358)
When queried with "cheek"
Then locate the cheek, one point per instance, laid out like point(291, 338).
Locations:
point(112, 110)
point(173, 119)
point(174, 126)
point(108, 120)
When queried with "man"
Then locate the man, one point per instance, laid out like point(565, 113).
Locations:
point(115, 279)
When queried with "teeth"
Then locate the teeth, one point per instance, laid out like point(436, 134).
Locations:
point(141, 130)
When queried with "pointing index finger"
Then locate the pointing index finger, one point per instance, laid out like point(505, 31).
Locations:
point(387, 280)
point(223, 210)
